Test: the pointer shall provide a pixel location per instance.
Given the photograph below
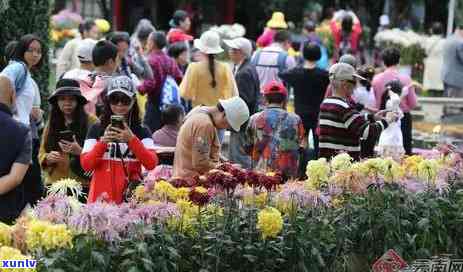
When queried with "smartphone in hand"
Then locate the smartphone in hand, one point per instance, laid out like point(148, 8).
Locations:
point(117, 121)
point(66, 135)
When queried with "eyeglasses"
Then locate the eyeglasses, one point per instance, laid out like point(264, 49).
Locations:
point(115, 99)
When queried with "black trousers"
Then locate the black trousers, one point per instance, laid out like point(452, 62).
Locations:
point(406, 125)
point(33, 184)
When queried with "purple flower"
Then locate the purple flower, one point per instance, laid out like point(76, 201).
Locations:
point(414, 186)
point(55, 208)
point(296, 191)
point(113, 222)
point(151, 213)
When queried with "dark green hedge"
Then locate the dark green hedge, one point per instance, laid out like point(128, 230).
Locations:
point(23, 17)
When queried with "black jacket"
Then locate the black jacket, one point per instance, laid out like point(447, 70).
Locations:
point(13, 138)
point(247, 81)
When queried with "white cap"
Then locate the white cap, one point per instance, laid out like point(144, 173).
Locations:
point(236, 112)
point(240, 43)
point(384, 20)
point(122, 84)
point(85, 49)
point(209, 43)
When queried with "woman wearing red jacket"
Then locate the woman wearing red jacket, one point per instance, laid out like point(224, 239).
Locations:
point(115, 153)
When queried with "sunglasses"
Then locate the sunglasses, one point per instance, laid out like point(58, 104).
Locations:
point(116, 99)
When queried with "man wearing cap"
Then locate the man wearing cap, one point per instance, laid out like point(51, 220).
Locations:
point(16, 147)
point(84, 54)
point(341, 125)
point(198, 147)
point(275, 136)
point(247, 81)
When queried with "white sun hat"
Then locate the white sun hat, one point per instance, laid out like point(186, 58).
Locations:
point(209, 43)
point(236, 112)
point(240, 43)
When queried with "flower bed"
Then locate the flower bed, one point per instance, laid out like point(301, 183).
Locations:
point(344, 217)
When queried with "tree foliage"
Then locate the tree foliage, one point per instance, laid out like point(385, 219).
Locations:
point(21, 17)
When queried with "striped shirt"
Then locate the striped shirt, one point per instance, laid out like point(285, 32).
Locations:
point(342, 127)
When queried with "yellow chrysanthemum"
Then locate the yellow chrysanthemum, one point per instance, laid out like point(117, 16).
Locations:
point(318, 173)
point(182, 193)
point(139, 193)
point(258, 200)
point(214, 210)
point(373, 167)
point(338, 202)
point(269, 222)
point(428, 169)
point(342, 161)
point(186, 222)
point(410, 164)
point(9, 253)
point(164, 190)
point(5, 235)
point(43, 234)
point(392, 170)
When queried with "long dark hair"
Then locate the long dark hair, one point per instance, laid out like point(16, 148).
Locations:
point(23, 45)
point(395, 86)
point(134, 115)
point(56, 123)
point(211, 58)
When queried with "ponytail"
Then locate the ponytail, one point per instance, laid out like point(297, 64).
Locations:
point(211, 59)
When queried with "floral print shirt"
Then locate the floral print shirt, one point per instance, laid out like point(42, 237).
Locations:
point(275, 138)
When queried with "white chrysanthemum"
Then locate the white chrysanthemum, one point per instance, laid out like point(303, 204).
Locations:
point(65, 185)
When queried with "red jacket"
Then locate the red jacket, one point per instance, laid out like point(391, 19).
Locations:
point(109, 178)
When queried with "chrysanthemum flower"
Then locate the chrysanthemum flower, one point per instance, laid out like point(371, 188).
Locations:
point(342, 161)
point(65, 185)
point(269, 222)
point(317, 173)
point(5, 235)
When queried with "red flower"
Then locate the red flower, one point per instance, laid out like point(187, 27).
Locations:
point(199, 196)
point(252, 178)
point(270, 182)
point(240, 175)
point(184, 182)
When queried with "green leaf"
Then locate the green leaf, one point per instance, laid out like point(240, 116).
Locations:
point(423, 223)
point(99, 258)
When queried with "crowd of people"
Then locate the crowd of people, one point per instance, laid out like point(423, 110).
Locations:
point(159, 105)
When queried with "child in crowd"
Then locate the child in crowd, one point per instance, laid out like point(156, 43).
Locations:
point(171, 120)
point(165, 140)
point(391, 140)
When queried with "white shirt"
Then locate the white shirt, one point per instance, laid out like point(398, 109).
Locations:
point(25, 101)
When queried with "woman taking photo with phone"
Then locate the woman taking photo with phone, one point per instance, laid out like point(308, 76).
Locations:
point(116, 149)
point(64, 134)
